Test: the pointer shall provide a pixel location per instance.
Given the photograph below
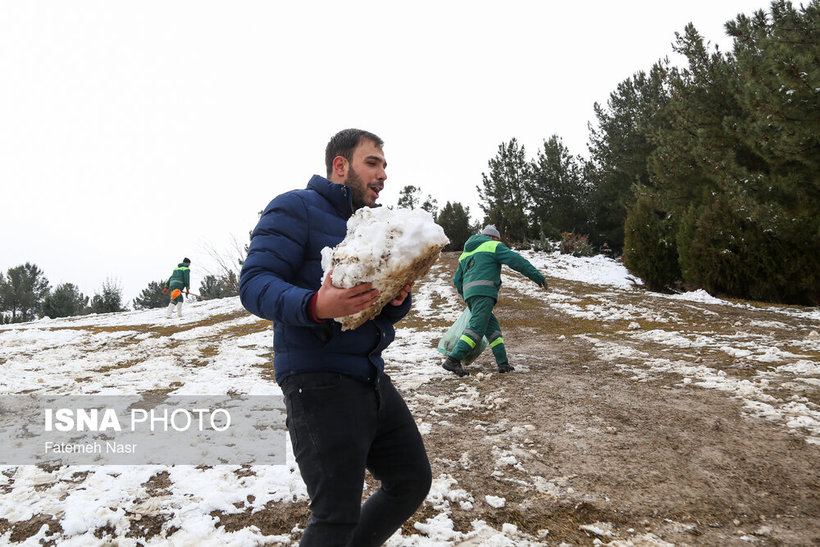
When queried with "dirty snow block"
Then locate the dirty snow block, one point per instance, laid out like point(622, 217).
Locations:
point(389, 248)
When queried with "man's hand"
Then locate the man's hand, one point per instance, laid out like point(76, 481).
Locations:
point(544, 284)
point(334, 302)
point(399, 299)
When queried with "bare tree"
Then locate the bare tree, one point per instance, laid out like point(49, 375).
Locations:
point(226, 266)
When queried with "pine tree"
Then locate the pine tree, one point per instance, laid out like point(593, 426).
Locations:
point(557, 191)
point(4, 318)
point(620, 147)
point(230, 282)
point(65, 301)
point(210, 287)
point(109, 300)
point(409, 197)
point(222, 286)
point(455, 220)
point(779, 83)
point(697, 154)
point(152, 297)
point(22, 292)
point(503, 196)
point(431, 206)
point(3, 292)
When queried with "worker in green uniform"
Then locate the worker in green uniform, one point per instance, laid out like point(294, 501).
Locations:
point(180, 279)
point(477, 280)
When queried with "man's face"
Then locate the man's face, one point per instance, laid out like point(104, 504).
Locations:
point(365, 174)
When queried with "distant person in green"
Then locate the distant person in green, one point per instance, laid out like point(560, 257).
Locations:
point(180, 279)
point(477, 280)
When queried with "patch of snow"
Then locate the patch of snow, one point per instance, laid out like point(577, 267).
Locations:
point(495, 501)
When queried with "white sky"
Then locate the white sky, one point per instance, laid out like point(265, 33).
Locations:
point(133, 134)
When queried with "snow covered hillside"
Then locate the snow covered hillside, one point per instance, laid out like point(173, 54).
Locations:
point(616, 390)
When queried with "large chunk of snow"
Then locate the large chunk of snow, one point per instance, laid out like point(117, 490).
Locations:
point(389, 248)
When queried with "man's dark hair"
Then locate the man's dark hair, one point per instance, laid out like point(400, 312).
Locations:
point(344, 143)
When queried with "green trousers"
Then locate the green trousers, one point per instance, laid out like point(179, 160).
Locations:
point(482, 323)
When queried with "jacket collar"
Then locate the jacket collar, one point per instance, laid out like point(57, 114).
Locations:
point(338, 195)
point(475, 240)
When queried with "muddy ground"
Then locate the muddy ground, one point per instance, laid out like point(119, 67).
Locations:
point(647, 457)
point(621, 455)
point(640, 451)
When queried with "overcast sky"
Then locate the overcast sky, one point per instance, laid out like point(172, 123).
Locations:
point(133, 134)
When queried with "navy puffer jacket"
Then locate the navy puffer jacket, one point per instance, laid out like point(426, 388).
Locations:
point(282, 272)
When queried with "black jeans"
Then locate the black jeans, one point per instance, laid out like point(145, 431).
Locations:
point(338, 427)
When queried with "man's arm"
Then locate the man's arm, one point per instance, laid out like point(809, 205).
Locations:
point(518, 263)
point(274, 257)
point(458, 280)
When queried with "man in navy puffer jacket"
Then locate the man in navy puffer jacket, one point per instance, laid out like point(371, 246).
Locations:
point(343, 413)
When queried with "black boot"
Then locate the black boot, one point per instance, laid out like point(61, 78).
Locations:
point(505, 367)
point(453, 365)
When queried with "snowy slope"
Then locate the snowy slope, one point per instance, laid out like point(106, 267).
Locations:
point(218, 348)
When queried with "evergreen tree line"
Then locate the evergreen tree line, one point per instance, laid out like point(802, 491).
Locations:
point(706, 176)
point(26, 295)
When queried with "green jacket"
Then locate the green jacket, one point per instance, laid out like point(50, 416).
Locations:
point(479, 267)
point(180, 278)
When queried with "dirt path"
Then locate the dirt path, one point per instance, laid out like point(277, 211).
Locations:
point(682, 464)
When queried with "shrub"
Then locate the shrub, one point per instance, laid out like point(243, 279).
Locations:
point(576, 245)
point(753, 253)
point(650, 251)
point(686, 235)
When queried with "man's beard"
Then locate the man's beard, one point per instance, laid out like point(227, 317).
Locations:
point(359, 188)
